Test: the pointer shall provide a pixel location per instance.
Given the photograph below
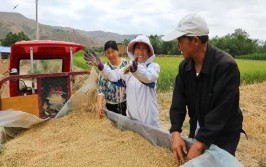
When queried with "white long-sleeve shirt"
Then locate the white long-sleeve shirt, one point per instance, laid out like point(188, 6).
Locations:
point(141, 98)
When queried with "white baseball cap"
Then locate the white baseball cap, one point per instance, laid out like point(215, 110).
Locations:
point(190, 25)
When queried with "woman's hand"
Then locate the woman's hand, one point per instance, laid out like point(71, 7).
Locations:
point(93, 59)
point(100, 112)
point(134, 65)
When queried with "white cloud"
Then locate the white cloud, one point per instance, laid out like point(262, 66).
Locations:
point(145, 16)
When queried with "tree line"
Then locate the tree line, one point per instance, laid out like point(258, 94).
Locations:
point(237, 44)
point(12, 38)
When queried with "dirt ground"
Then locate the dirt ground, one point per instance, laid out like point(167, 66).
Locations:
point(4, 67)
point(81, 139)
point(3, 73)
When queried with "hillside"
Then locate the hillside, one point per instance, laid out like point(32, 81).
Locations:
point(15, 22)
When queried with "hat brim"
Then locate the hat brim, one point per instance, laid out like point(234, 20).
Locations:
point(172, 35)
point(130, 47)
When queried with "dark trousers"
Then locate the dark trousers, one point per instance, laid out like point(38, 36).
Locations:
point(119, 108)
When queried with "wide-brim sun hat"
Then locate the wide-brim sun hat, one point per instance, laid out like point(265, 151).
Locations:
point(140, 39)
point(190, 25)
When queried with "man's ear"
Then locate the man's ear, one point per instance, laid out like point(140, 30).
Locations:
point(196, 40)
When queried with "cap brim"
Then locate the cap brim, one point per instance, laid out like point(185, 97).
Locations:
point(172, 35)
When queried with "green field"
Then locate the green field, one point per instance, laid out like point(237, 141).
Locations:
point(251, 71)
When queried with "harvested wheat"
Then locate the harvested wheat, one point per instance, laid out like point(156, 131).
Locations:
point(81, 139)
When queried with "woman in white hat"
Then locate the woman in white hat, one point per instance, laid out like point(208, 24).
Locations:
point(140, 81)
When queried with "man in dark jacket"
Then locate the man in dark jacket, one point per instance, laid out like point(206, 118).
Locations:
point(207, 87)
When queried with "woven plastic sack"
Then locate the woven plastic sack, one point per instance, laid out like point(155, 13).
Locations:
point(19, 119)
point(213, 157)
point(154, 135)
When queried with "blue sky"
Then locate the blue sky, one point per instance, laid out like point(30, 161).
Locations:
point(147, 17)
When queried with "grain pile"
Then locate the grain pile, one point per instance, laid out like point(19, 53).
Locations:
point(81, 139)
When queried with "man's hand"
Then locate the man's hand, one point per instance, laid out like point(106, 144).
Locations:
point(196, 150)
point(179, 148)
point(93, 59)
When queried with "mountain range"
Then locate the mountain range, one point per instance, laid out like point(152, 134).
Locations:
point(16, 22)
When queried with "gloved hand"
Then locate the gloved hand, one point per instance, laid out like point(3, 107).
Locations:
point(93, 59)
point(134, 65)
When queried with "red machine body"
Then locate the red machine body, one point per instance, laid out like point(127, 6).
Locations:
point(26, 78)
